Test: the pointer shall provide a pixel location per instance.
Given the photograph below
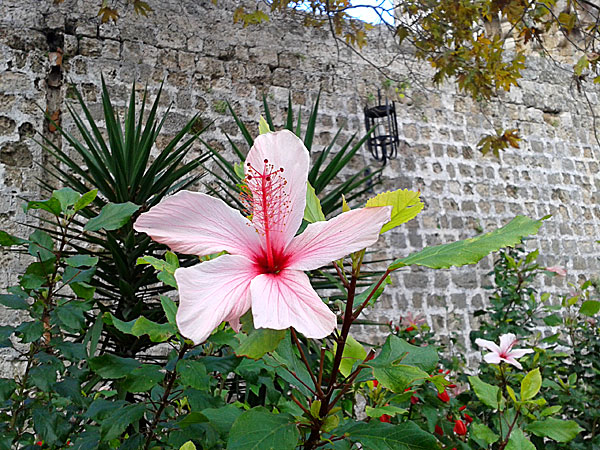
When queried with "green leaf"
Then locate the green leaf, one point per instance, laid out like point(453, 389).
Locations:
point(47, 425)
point(313, 212)
point(116, 423)
point(590, 307)
point(471, 250)
point(551, 410)
point(85, 200)
point(193, 374)
point(398, 377)
point(381, 410)
point(7, 388)
point(260, 429)
point(481, 432)
point(166, 267)
point(143, 378)
point(223, 418)
point(396, 349)
point(353, 352)
point(486, 393)
point(112, 217)
point(189, 445)
point(518, 441)
point(82, 260)
point(238, 168)
point(259, 342)
point(556, 429)
point(553, 320)
point(384, 436)
point(112, 366)
point(405, 206)
point(52, 205)
point(30, 331)
point(158, 332)
point(76, 275)
point(263, 126)
point(531, 384)
point(7, 240)
point(170, 309)
point(13, 301)
point(41, 246)
point(66, 197)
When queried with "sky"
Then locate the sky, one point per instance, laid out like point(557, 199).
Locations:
point(367, 14)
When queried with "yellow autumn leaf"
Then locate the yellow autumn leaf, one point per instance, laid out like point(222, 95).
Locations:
point(406, 205)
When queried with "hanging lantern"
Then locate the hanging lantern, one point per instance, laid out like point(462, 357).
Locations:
point(384, 140)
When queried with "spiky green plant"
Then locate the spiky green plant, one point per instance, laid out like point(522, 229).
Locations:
point(119, 164)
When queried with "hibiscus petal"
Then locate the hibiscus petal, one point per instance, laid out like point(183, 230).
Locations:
point(513, 361)
point(198, 224)
point(285, 192)
point(492, 358)
point(287, 299)
point(484, 343)
point(212, 292)
point(506, 342)
point(518, 352)
point(323, 242)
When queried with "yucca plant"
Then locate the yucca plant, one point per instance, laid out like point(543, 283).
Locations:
point(119, 164)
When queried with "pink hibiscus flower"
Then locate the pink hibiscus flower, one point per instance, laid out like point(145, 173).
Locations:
point(505, 352)
point(265, 264)
point(558, 270)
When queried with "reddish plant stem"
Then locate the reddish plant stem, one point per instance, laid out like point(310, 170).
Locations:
point(366, 302)
point(305, 361)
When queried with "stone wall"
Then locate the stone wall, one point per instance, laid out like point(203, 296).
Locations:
point(205, 59)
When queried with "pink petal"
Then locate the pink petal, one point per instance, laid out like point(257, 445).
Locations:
point(323, 242)
point(484, 343)
point(513, 361)
point(506, 342)
point(212, 292)
point(198, 224)
point(287, 299)
point(518, 353)
point(284, 194)
point(560, 271)
point(492, 358)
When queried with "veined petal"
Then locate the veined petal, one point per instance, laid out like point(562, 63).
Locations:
point(484, 343)
point(287, 299)
point(198, 224)
point(278, 197)
point(506, 342)
point(492, 358)
point(518, 353)
point(211, 292)
point(514, 362)
point(323, 242)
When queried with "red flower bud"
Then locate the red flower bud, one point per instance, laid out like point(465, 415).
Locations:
point(462, 408)
point(451, 386)
point(460, 428)
point(440, 370)
point(409, 329)
point(414, 400)
point(40, 443)
point(385, 418)
point(375, 383)
point(438, 430)
point(468, 418)
point(444, 397)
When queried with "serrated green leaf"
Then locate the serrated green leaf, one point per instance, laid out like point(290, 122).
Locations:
point(556, 429)
point(313, 212)
point(258, 342)
point(260, 429)
point(143, 378)
point(397, 350)
point(112, 217)
point(52, 205)
point(470, 251)
point(486, 393)
point(193, 374)
point(66, 197)
point(170, 309)
point(381, 410)
point(531, 384)
point(85, 200)
point(189, 445)
point(481, 432)
point(405, 206)
point(112, 366)
point(353, 352)
point(223, 418)
point(590, 308)
point(158, 332)
point(41, 246)
point(384, 436)
point(115, 424)
point(398, 377)
point(518, 441)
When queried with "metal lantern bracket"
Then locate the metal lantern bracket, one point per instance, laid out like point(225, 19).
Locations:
point(384, 140)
